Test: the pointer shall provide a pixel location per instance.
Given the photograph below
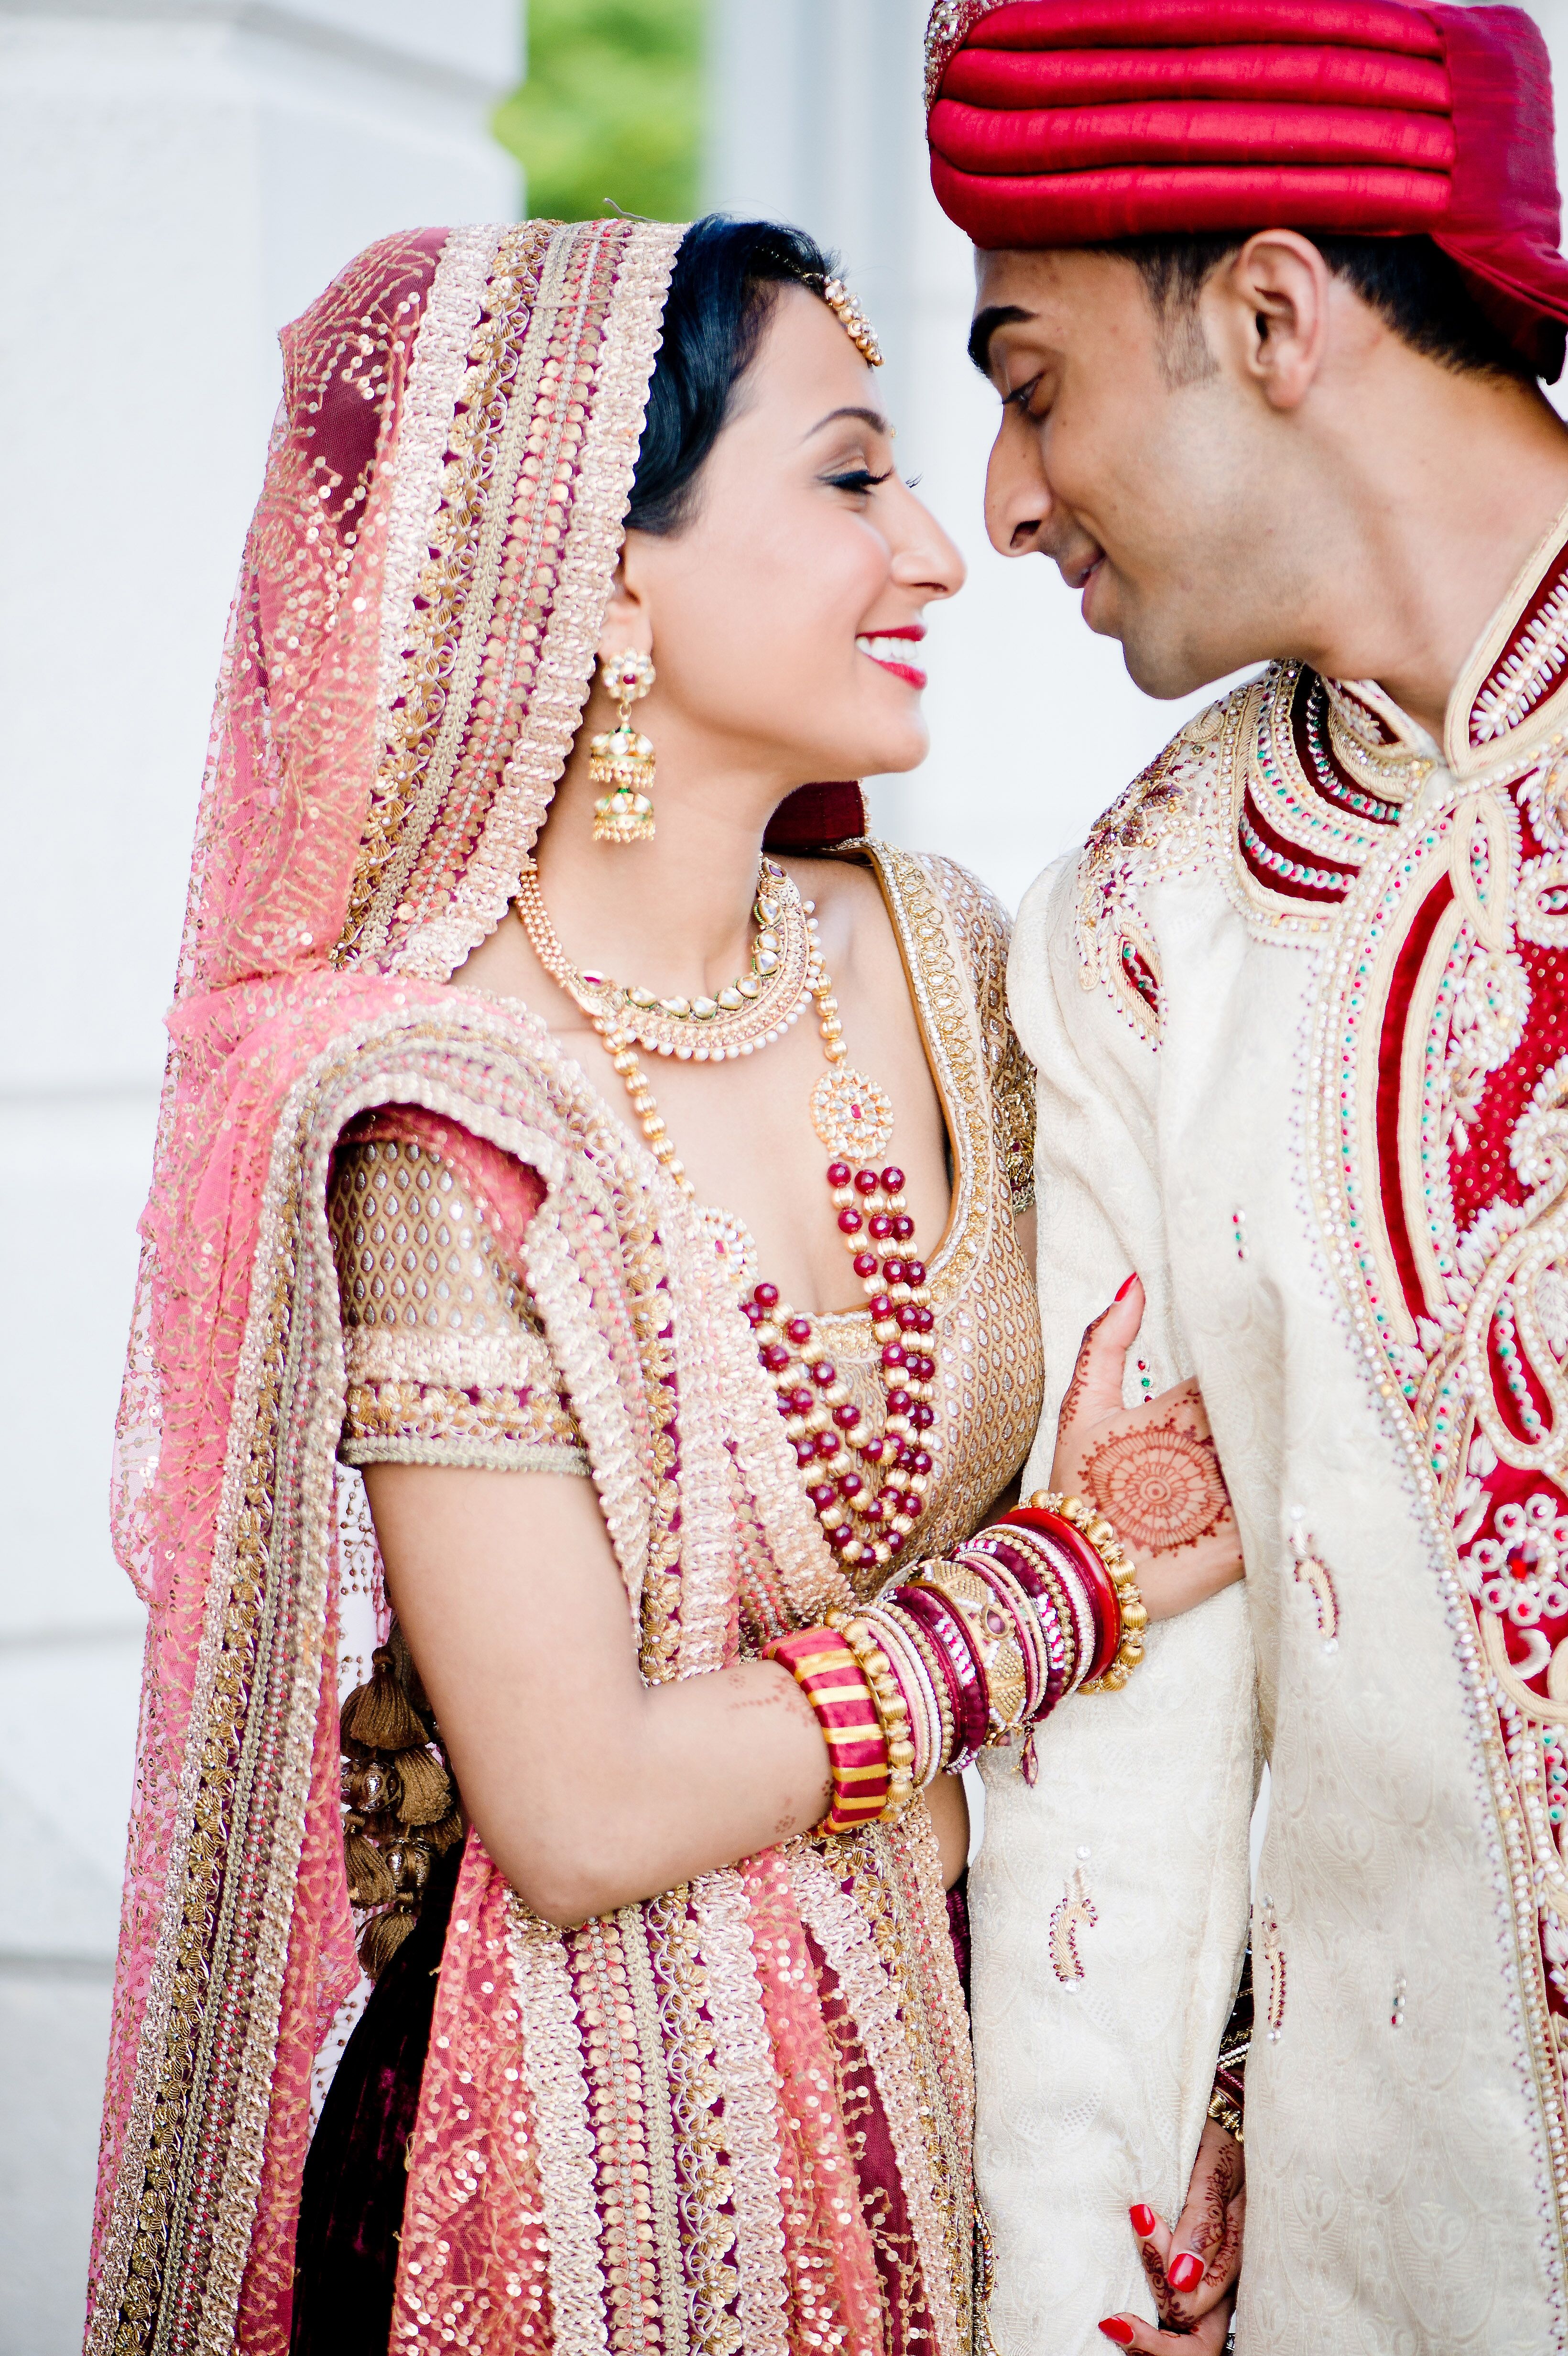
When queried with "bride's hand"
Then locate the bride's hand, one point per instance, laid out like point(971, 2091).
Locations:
point(1151, 1470)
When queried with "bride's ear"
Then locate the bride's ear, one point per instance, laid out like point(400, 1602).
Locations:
point(628, 624)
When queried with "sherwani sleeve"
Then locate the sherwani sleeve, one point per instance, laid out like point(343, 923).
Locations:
point(1110, 1900)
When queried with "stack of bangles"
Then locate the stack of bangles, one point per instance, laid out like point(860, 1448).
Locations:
point(973, 1651)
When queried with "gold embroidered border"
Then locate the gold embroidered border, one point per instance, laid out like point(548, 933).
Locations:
point(708, 2234)
point(508, 304)
point(619, 2098)
point(555, 2069)
point(424, 427)
point(425, 1354)
point(477, 536)
point(644, 254)
point(504, 1454)
point(663, 2182)
point(840, 1927)
point(744, 2057)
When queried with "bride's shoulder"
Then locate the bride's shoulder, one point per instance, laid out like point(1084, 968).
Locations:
point(919, 900)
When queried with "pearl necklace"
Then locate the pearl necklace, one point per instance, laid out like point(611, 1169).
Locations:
point(738, 1020)
point(868, 1490)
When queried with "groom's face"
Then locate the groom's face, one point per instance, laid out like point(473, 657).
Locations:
point(1122, 454)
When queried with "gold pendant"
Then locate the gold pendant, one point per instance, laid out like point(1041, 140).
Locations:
point(852, 1116)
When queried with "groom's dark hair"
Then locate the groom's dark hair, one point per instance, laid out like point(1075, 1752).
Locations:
point(722, 289)
point(1409, 282)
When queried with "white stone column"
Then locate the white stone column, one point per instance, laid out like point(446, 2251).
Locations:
point(178, 177)
point(816, 116)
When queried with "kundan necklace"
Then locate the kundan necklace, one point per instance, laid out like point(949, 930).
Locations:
point(868, 1490)
point(759, 1007)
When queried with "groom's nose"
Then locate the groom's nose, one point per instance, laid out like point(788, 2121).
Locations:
point(1018, 504)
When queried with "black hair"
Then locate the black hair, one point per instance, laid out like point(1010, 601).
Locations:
point(1409, 282)
point(721, 293)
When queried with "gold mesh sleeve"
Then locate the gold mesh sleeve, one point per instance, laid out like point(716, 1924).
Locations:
point(447, 1362)
point(985, 929)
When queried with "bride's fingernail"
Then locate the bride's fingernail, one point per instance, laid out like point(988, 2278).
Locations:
point(1116, 2329)
point(1128, 1285)
point(1185, 2272)
point(1144, 2220)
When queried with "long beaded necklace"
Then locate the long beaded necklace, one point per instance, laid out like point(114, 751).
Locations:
point(867, 1490)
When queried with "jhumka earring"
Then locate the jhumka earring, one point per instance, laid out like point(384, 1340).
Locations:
point(623, 760)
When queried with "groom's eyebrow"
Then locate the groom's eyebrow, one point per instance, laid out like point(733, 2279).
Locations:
point(871, 417)
point(987, 322)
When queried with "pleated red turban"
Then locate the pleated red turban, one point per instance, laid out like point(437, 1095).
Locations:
point(1079, 122)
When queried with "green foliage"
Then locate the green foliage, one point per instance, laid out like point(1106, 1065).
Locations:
point(611, 110)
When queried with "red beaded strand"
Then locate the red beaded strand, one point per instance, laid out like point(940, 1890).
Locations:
point(865, 1520)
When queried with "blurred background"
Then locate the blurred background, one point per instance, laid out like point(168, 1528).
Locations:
point(177, 179)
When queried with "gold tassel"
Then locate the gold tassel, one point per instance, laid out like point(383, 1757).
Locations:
point(427, 1793)
point(370, 1881)
point(380, 1714)
point(447, 1833)
point(384, 1934)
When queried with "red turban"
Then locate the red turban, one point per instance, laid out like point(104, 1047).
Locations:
point(1081, 122)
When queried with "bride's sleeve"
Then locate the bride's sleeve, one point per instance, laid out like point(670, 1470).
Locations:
point(445, 1355)
point(1110, 1900)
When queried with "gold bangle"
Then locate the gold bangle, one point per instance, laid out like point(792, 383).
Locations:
point(1224, 2114)
point(886, 1695)
point(1132, 1610)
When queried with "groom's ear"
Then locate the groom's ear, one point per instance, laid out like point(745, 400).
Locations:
point(1267, 311)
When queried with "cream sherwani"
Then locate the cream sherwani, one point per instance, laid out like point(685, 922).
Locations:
point(1300, 1014)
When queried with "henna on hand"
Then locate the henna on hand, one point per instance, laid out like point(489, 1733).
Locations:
point(1216, 2235)
point(1074, 1391)
point(1159, 1484)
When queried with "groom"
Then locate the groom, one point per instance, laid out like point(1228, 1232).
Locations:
point(1266, 288)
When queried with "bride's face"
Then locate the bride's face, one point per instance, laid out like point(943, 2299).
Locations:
point(787, 615)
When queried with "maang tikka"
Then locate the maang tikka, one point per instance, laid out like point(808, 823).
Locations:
point(622, 760)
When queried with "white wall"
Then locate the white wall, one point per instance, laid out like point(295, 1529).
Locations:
point(816, 116)
point(176, 181)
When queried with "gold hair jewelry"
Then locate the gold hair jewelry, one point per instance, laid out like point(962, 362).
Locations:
point(740, 1021)
point(623, 760)
point(852, 318)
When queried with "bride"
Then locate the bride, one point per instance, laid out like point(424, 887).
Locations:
point(567, 1605)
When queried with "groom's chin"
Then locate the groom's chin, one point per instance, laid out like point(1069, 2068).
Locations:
point(1163, 661)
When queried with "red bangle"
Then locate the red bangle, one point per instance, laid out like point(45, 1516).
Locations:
point(945, 1628)
point(1096, 1578)
point(836, 1685)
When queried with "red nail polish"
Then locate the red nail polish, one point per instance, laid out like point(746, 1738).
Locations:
point(1116, 2329)
point(1144, 2220)
point(1122, 1296)
point(1185, 2272)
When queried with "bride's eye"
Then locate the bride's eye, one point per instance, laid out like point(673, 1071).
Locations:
point(858, 480)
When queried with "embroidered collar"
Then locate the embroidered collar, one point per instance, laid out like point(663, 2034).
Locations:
point(1511, 696)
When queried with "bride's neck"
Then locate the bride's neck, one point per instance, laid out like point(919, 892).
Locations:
point(672, 914)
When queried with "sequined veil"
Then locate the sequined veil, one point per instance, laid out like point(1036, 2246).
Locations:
point(647, 2133)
